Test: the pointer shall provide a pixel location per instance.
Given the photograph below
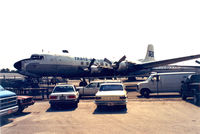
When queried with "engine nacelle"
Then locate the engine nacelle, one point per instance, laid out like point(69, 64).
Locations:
point(95, 70)
point(123, 66)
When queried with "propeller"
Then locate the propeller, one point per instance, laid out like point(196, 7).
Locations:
point(91, 63)
point(197, 61)
point(108, 61)
point(115, 65)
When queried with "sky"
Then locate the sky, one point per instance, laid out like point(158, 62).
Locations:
point(99, 28)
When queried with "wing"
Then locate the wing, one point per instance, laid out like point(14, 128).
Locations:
point(162, 62)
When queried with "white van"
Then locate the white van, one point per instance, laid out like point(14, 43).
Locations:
point(162, 82)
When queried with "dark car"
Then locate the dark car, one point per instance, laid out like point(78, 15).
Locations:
point(191, 88)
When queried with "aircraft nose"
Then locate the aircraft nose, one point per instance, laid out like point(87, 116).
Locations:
point(18, 65)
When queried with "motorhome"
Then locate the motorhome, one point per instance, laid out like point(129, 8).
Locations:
point(162, 82)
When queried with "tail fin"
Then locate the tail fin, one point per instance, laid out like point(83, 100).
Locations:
point(150, 54)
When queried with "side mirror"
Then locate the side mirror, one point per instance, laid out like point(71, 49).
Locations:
point(77, 89)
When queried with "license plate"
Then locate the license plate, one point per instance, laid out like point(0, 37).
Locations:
point(111, 98)
point(62, 97)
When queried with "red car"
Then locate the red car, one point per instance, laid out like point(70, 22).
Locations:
point(23, 102)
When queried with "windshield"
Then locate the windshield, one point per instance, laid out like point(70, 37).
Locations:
point(63, 89)
point(36, 57)
point(111, 88)
point(195, 78)
point(1, 88)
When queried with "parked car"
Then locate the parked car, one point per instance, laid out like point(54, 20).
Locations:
point(64, 94)
point(191, 88)
point(8, 102)
point(162, 82)
point(23, 102)
point(111, 94)
point(92, 88)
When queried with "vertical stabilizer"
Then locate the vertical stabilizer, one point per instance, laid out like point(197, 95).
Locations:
point(150, 54)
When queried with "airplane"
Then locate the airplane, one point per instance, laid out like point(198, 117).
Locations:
point(49, 65)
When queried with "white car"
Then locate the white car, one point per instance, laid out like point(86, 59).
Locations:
point(64, 94)
point(92, 88)
point(111, 94)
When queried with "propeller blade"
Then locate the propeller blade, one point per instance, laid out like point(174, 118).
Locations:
point(91, 63)
point(197, 61)
point(116, 64)
point(122, 59)
point(108, 61)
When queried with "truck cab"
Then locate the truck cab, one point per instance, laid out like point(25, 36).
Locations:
point(8, 102)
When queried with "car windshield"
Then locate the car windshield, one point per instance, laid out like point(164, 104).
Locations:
point(111, 88)
point(63, 89)
point(1, 88)
point(195, 78)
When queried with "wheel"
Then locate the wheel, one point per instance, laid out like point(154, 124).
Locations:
point(145, 93)
point(183, 96)
point(196, 99)
point(20, 109)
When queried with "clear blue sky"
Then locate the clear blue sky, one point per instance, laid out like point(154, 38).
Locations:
point(99, 28)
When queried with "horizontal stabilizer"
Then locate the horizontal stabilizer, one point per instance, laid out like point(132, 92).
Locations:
point(166, 62)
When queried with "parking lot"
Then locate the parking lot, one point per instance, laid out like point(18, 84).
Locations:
point(165, 113)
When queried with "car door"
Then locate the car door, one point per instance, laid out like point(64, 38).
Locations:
point(90, 89)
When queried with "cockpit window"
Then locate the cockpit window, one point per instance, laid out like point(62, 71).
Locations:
point(36, 57)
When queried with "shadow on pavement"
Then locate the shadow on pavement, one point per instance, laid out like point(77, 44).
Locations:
point(64, 108)
point(110, 110)
point(162, 96)
point(87, 97)
point(191, 101)
point(9, 118)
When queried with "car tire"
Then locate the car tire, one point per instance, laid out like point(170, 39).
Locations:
point(183, 96)
point(196, 99)
point(20, 109)
point(145, 92)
